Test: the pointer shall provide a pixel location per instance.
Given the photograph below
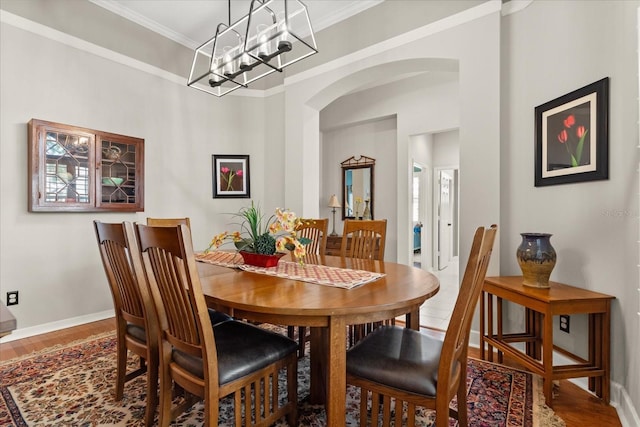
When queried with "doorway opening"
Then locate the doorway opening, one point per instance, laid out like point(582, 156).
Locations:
point(418, 214)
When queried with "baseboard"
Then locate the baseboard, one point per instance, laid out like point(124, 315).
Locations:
point(619, 398)
point(55, 326)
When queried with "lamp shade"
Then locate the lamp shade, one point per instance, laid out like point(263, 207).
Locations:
point(333, 202)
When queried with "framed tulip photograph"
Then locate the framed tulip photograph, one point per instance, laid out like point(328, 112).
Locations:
point(572, 136)
point(231, 176)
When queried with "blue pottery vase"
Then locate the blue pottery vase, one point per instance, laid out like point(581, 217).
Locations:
point(536, 258)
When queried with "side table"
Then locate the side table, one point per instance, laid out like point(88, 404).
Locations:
point(541, 304)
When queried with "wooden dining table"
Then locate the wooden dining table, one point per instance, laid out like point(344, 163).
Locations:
point(326, 309)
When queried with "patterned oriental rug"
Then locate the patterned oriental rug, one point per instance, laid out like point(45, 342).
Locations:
point(73, 385)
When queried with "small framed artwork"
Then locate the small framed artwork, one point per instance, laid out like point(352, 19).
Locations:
point(231, 176)
point(572, 136)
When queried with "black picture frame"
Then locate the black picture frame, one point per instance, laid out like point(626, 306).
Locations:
point(572, 136)
point(231, 176)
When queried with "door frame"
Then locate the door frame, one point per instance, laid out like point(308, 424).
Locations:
point(455, 240)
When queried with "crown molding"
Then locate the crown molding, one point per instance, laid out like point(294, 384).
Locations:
point(339, 13)
point(342, 13)
point(150, 24)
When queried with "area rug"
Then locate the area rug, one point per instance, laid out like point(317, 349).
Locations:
point(73, 385)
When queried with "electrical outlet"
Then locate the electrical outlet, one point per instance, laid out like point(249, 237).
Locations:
point(564, 323)
point(12, 298)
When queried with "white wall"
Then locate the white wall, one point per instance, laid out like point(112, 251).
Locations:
point(446, 149)
point(593, 224)
point(422, 104)
point(52, 258)
point(377, 140)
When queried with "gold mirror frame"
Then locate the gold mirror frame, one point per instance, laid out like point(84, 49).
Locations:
point(363, 166)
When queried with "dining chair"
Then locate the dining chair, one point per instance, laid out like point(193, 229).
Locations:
point(208, 361)
point(364, 238)
point(168, 222)
point(216, 316)
point(135, 314)
point(422, 368)
point(314, 229)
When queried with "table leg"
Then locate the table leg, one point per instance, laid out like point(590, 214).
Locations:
point(413, 320)
point(318, 363)
point(499, 328)
point(337, 372)
point(593, 352)
point(482, 327)
point(528, 329)
point(490, 325)
point(605, 328)
point(547, 357)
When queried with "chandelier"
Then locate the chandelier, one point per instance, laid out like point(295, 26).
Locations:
point(275, 34)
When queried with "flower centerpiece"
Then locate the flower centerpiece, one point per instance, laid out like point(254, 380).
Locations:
point(262, 242)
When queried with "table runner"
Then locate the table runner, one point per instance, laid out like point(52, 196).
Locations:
point(311, 273)
point(221, 258)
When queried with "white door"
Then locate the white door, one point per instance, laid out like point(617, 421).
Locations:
point(445, 218)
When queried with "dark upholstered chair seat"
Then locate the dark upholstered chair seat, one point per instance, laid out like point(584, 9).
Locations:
point(137, 332)
point(398, 357)
point(242, 349)
point(218, 317)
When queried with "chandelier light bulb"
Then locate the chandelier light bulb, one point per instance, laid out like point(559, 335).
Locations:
point(263, 41)
point(228, 66)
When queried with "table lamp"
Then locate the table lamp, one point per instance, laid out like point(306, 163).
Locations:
point(333, 204)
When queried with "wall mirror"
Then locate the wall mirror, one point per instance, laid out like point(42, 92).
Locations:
point(357, 187)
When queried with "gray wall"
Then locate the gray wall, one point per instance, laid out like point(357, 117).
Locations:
point(594, 224)
point(52, 258)
point(546, 50)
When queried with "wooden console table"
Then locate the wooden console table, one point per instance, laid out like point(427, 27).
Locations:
point(540, 307)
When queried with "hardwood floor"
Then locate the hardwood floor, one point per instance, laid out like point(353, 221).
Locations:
point(574, 405)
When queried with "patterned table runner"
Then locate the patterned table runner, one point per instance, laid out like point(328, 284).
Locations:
point(312, 273)
point(221, 258)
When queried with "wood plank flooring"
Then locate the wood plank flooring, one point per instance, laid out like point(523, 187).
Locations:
point(575, 406)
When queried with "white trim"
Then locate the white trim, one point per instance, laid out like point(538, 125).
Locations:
point(55, 326)
point(338, 14)
point(514, 6)
point(433, 28)
point(75, 42)
point(150, 24)
point(342, 13)
point(85, 46)
point(444, 24)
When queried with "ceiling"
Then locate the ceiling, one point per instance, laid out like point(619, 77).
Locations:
point(192, 22)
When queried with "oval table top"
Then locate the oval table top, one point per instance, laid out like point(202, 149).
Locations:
point(401, 287)
point(326, 309)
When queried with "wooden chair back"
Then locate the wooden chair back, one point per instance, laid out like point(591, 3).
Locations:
point(316, 231)
point(170, 268)
point(364, 239)
point(169, 265)
point(453, 366)
point(188, 349)
point(136, 320)
point(426, 353)
point(168, 222)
